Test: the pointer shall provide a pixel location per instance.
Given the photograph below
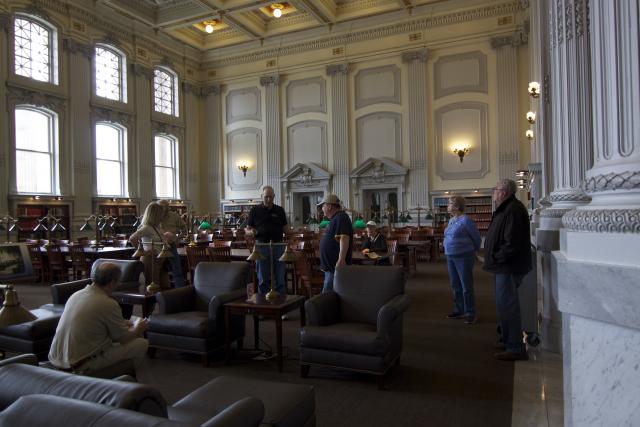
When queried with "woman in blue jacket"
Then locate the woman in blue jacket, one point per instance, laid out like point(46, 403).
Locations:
point(461, 241)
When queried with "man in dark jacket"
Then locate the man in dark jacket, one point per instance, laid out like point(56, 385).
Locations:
point(507, 249)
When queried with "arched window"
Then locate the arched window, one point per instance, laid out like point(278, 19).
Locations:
point(36, 133)
point(110, 73)
point(165, 91)
point(35, 49)
point(111, 160)
point(166, 166)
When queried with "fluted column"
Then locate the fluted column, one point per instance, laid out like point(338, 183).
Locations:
point(5, 23)
point(272, 127)
point(507, 90)
point(598, 272)
point(340, 130)
point(192, 95)
point(80, 134)
point(418, 174)
point(143, 79)
point(213, 165)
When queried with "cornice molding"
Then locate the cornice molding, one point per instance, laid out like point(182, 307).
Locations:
point(416, 55)
point(166, 128)
point(603, 220)
point(105, 114)
point(516, 39)
point(336, 69)
point(18, 96)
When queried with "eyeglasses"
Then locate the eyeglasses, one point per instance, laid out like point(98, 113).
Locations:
point(498, 189)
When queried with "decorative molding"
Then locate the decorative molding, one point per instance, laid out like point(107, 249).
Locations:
point(167, 129)
point(334, 69)
point(516, 39)
point(99, 114)
point(256, 114)
point(168, 63)
point(553, 213)
point(211, 89)
point(323, 139)
point(603, 220)
point(379, 173)
point(360, 124)
point(577, 197)
point(5, 22)
point(36, 8)
point(20, 96)
point(270, 80)
point(559, 23)
point(73, 46)
point(628, 180)
point(233, 185)
point(416, 55)
point(140, 70)
point(362, 100)
point(306, 177)
point(579, 8)
point(481, 86)
point(321, 107)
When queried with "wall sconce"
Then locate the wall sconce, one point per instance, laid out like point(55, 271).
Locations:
point(534, 89)
point(529, 134)
point(460, 152)
point(244, 168)
point(531, 117)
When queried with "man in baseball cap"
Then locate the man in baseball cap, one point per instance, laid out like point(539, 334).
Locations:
point(337, 242)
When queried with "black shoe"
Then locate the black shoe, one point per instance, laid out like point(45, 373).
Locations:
point(510, 356)
point(470, 320)
point(455, 315)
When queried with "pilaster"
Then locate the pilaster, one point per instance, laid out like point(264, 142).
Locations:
point(272, 127)
point(191, 164)
point(143, 79)
point(340, 129)
point(418, 173)
point(212, 163)
point(5, 152)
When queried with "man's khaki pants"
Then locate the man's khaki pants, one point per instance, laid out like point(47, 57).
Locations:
point(134, 350)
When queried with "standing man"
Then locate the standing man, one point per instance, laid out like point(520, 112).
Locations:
point(92, 334)
point(337, 242)
point(266, 222)
point(172, 222)
point(508, 254)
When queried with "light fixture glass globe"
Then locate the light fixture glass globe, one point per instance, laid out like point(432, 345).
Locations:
point(277, 13)
point(208, 28)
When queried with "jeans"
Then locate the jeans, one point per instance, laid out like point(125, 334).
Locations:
point(508, 306)
point(461, 277)
point(264, 269)
point(328, 281)
point(176, 267)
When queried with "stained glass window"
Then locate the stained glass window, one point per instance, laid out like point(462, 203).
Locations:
point(111, 160)
point(110, 67)
point(34, 47)
point(36, 151)
point(165, 92)
point(166, 167)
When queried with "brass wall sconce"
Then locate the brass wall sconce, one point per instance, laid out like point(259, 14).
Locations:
point(529, 134)
point(534, 89)
point(460, 152)
point(244, 168)
point(531, 117)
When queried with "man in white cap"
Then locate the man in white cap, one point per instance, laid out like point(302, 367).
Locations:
point(375, 240)
point(337, 242)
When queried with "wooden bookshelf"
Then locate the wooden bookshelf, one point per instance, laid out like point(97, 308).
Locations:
point(28, 212)
point(479, 207)
point(126, 213)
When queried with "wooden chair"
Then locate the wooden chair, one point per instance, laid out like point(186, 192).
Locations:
point(220, 253)
point(221, 244)
point(307, 277)
point(195, 255)
point(57, 265)
point(422, 252)
point(37, 262)
point(394, 256)
point(79, 263)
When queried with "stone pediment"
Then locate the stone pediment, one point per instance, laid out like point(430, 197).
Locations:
point(378, 169)
point(306, 174)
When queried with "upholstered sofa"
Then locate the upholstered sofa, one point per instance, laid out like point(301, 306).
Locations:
point(79, 400)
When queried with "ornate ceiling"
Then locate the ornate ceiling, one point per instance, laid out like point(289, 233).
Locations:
point(236, 22)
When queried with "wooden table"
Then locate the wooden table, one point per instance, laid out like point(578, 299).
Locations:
point(258, 305)
point(147, 301)
point(95, 253)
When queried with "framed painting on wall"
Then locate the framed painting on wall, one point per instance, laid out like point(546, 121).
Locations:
point(15, 262)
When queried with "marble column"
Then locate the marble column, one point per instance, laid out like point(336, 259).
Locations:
point(418, 173)
point(191, 162)
point(339, 74)
point(213, 164)
point(272, 126)
point(144, 188)
point(5, 24)
point(597, 266)
point(80, 134)
point(571, 133)
point(506, 48)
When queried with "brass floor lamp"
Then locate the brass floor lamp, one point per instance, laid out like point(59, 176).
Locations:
point(152, 287)
point(287, 256)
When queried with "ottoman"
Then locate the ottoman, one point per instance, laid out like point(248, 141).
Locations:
point(31, 337)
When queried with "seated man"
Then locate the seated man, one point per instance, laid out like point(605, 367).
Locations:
point(375, 242)
point(92, 334)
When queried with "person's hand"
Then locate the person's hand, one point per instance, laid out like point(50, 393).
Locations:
point(365, 251)
point(141, 326)
point(341, 263)
point(249, 231)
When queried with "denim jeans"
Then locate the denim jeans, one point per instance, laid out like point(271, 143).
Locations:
point(461, 278)
point(508, 306)
point(176, 267)
point(328, 281)
point(264, 269)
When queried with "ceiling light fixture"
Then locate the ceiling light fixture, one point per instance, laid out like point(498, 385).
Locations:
point(208, 26)
point(276, 10)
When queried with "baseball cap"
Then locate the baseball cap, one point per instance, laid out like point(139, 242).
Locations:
point(331, 199)
point(371, 224)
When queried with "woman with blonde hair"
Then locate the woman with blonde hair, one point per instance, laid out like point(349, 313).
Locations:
point(152, 235)
point(461, 241)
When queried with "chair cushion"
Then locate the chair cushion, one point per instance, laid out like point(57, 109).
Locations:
point(42, 327)
point(131, 270)
point(186, 323)
point(216, 278)
point(359, 338)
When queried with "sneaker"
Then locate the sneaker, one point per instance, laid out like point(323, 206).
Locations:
point(285, 317)
point(455, 315)
point(511, 356)
point(470, 320)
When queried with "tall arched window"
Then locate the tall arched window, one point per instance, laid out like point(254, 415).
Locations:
point(165, 91)
point(111, 160)
point(110, 73)
point(166, 167)
point(36, 133)
point(35, 49)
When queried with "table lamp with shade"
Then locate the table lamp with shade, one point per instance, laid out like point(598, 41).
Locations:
point(12, 313)
point(287, 256)
point(152, 287)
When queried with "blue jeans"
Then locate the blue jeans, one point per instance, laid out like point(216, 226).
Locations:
point(461, 278)
point(264, 269)
point(508, 306)
point(328, 281)
point(176, 267)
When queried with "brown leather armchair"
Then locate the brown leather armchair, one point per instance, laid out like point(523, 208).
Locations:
point(358, 325)
point(191, 318)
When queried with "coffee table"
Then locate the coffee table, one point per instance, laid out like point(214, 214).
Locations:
point(147, 301)
point(258, 305)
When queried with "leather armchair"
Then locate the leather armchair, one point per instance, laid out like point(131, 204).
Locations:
point(191, 318)
point(357, 326)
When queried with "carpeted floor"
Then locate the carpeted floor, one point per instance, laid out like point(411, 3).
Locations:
point(447, 375)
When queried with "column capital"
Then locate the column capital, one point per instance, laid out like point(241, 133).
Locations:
point(272, 80)
point(335, 69)
point(73, 46)
point(516, 39)
point(416, 55)
point(140, 70)
point(211, 89)
point(5, 21)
